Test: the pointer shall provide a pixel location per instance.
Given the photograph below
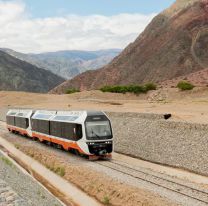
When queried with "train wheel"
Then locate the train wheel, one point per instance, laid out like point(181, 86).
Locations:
point(49, 143)
point(76, 152)
point(34, 138)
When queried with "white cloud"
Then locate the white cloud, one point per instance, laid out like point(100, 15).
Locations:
point(25, 34)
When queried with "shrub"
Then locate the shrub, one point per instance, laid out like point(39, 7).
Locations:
point(60, 171)
point(115, 89)
point(72, 90)
point(150, 86)
point(136, 89)
point(183, 85)
point(106, 200)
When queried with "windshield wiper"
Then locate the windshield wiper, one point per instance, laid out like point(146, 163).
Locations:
point(95, 133)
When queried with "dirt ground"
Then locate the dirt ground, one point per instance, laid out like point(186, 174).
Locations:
point(189, 106)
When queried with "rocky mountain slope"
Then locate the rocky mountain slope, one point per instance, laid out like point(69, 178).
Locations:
point(199, 79)
point(174, 44)
point(68, 64)
point(18, 75)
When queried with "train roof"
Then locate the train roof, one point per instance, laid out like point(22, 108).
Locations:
point(43, 114)
point(20, 113)
point(69, 116)
point(52, 115)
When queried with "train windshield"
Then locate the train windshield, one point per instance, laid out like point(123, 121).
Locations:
point(98, 129)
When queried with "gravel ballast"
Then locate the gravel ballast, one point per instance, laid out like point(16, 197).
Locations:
point(152, 138)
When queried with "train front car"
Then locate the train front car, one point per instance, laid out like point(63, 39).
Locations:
point(99, 136)
point(89, 133)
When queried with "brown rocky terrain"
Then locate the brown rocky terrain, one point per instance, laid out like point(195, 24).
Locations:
point(199, 78)
point(174, 44)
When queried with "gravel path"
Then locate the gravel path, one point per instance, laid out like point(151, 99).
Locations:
point(8, 197)
point(19, 189)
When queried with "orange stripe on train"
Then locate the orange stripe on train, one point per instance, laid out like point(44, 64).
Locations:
point(21, 131)
point(65, 145)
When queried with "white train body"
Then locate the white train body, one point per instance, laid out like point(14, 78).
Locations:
point(87, 132)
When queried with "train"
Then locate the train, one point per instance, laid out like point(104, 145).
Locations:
point(88, 133)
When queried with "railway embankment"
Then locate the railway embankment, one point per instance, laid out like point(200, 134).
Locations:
point(152, 138)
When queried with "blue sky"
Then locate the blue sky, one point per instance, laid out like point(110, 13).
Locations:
point(35, 26)
point(46, 8)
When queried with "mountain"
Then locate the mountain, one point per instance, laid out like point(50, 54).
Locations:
point(18, 75)
point(199, 79)
point(67, 64)
point(174, 44)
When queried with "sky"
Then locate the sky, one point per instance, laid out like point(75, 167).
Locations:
point(35, 26)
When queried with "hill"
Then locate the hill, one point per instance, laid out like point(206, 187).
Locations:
point(174, 44)
point(67, 64)
point(18, 75)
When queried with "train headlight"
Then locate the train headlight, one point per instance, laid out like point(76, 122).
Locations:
point(91, 143)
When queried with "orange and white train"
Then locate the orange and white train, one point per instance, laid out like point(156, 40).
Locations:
point(86, 132)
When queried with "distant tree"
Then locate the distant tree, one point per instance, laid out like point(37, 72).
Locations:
point(71, 91)
point(136, 89)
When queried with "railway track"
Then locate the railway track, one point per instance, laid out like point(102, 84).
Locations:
point(159, 180)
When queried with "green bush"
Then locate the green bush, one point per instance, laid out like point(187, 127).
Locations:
point(150, 86)
point(136, 89)
point(106, 200)
point(71, 91)
point(183, 85)
point(114, 89)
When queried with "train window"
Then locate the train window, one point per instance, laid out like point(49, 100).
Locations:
point(10, 120)
point(41, 126)
point(78, 131)
point(22, 122)
point(55, 128)
point(66, 130)
point(98, 129)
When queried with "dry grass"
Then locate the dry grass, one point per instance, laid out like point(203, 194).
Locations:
point(6, 161)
